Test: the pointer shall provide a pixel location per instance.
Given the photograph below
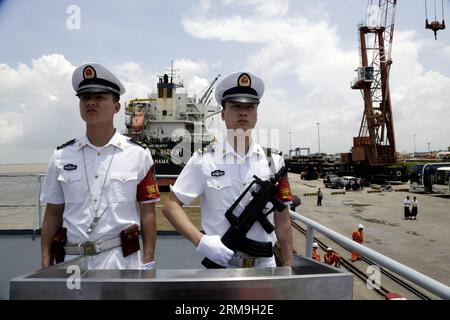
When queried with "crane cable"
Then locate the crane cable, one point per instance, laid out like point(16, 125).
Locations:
point(435, 15)
point(435, 11)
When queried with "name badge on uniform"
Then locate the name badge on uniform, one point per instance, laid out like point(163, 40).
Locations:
point(217, 173)
point(70, 167)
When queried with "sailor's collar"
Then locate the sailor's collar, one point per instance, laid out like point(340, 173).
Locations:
point(254, 148)
point(116, 140)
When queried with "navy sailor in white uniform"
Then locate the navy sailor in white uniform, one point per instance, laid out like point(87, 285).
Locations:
point(100, 184)
point(219, 173)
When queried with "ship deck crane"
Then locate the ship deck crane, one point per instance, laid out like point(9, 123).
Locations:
point(208, 91)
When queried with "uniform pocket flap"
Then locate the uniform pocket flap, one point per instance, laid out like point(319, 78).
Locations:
point(124, 176)
point(69, 177)
point(217, 183)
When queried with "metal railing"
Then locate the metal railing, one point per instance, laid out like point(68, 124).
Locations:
point(436, 287)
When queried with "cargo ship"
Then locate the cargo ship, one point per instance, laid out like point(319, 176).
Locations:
point(172, 124)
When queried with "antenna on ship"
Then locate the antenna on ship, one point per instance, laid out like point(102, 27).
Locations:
point(174, 73)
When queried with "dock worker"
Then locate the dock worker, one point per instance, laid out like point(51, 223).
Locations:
point(331, 257)
point(406, 210)
point(319, 197)
point(315, 255)
point(414, 208)
point(93, 183)
point(220, 173)
point(357, 236)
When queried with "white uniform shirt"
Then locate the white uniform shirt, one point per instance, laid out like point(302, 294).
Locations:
point(406, 203)
point(66, 183)
point(414, 203)
point(218, 190)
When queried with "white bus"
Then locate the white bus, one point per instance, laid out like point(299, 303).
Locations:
point(422, 174)
point(441, 181)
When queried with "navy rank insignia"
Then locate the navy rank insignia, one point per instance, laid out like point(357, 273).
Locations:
point(244, 80)
point(89, 73)
point(217, 173)
point(70, 167)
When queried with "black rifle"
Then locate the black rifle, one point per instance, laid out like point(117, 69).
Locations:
point(235, 237)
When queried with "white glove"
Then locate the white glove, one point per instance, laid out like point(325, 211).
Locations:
point(148, 265)
point(215, 250)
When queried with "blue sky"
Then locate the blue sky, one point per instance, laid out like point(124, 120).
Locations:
point(305, 51)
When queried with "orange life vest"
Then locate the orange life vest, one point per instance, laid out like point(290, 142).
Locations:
point(358, 236)
point(315, 255)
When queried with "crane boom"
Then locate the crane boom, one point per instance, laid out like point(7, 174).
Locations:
point(208, 91)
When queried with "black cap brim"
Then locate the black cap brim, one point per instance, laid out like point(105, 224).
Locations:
point(95, 90)
point(241, 100)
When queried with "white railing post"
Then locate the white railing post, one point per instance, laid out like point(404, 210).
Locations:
point(38, 209)
point(309, 241)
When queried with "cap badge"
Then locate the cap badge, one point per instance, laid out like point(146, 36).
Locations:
point(244, 80)
point(89, 73)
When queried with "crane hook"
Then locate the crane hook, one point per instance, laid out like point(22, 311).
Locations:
point(434, 25)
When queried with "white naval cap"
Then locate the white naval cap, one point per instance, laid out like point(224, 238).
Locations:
point(360, 226)
point(240, 87)
point(93, 77)
point(329, 249)
point(315, 245)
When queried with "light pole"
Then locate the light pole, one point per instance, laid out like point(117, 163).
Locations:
point(414, 135)
point(290, 140)
point(318, 134)
point(428, 143)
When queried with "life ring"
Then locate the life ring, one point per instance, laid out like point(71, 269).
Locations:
point(399, 173)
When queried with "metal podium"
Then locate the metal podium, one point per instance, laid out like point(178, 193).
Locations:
point(71, 280)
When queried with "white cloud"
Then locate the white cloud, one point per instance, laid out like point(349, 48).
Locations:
point(137, 82)
point(38, 106)
point(268, 8)
point(188, 68)
point(420, 97)
point(193, 75)
point(445, 52)
point(11, 127)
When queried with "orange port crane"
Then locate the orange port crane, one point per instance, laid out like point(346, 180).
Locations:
point(375, 143)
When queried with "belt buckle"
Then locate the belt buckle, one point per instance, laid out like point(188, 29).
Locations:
point(88, 248)
point(248, 262)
